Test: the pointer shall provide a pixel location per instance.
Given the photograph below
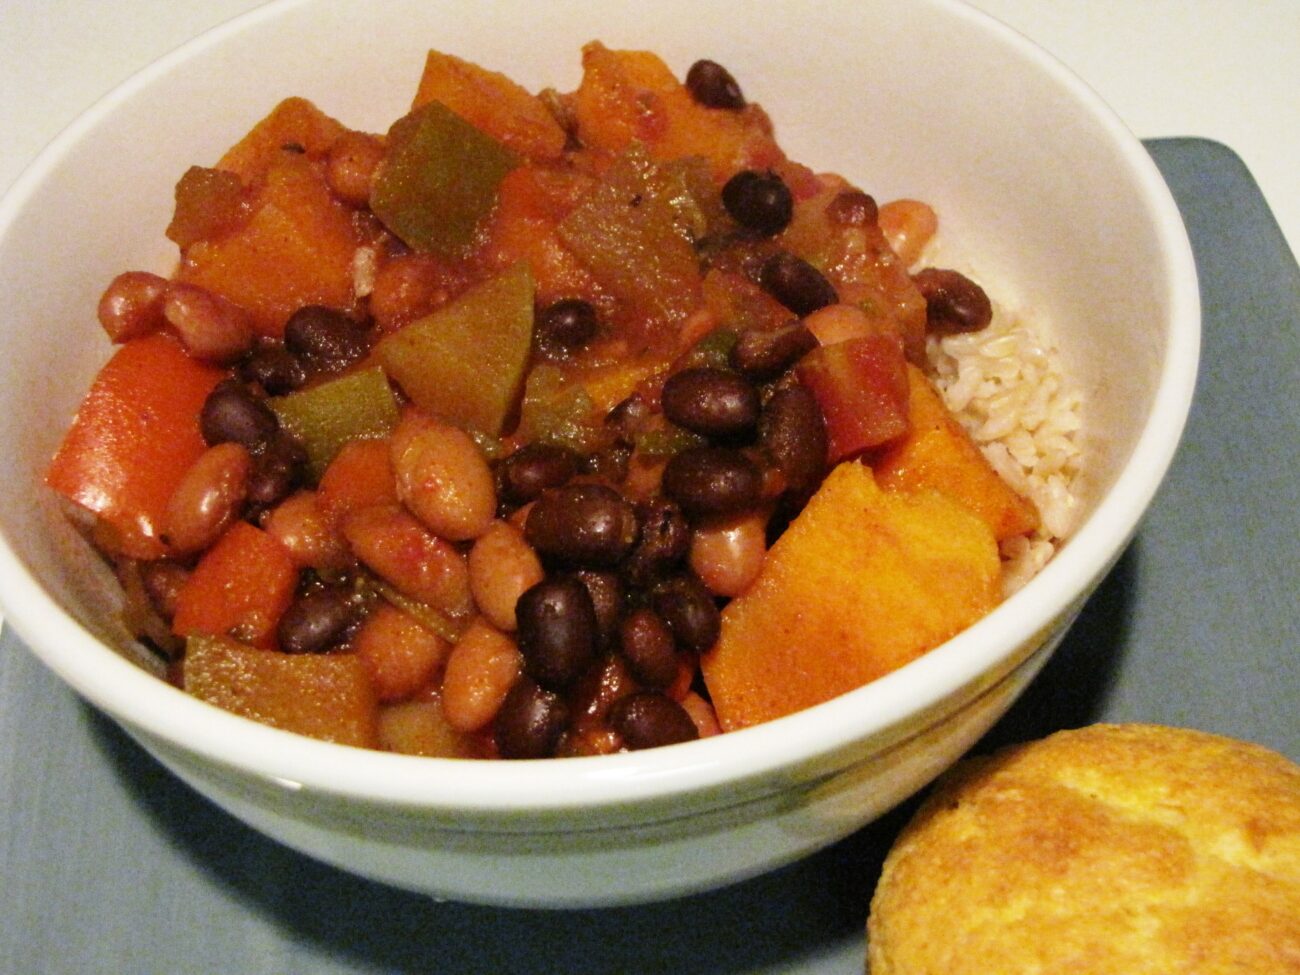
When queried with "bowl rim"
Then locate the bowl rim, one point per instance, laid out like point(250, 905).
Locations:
point(144, 703)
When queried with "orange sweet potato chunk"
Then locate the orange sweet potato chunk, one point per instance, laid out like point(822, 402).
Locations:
point(861, 583)
point(327, 696)
point(938, 455)
point(294, 126)
point(492, 103)
point(359, 476)
point(632, 96)
point(296, 249)
point(240, 587)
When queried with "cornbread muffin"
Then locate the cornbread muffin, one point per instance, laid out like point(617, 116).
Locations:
point(1124, 849)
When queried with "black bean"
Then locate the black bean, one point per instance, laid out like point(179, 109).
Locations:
point(712, 85)
point(647, 645)
point(763, 355)
point(711, 402)
point(529, 722)
point(273, 367)
point(708, 481)
point(607, 598)
point(793, 432)
point(953, 302)
point(279, 466)
point(583, 525)
point(564, 327)
point(796, 284)
point(628, 418)
point(557, 630)
point(315, 622)
point(324, 339)
point(689, 610)
point(533, 468)
point(232, 413)
point(664, 540)
point(609, 464)
point(852, 208)
point(650, 720)
point(760, 202)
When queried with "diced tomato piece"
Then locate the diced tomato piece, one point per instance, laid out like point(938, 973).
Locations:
point(861, 387)
point(133, 439)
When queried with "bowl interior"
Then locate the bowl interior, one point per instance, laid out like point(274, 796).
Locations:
point(1037, 186)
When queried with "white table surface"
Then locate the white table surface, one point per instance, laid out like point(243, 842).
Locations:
point(1222, 69)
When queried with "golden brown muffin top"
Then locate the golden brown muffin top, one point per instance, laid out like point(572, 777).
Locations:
point(1125, 849)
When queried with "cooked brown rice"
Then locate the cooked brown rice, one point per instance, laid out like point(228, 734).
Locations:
point(1006, 386)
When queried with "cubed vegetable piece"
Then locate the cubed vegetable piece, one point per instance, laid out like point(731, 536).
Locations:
point(359, 476)
point(326, 696)
point(240, 588)
point(420, 728)
point(861, 386)
point(209, 203)
point(557, 409)
point(632, 96)
point(532, 202)
point(132, 440)
point(325, 417)
point(862, 582)
point(294, 127)
point(491, 326)
point(403, 655)
point(741, 305)
point(938, 455)
point(492, 103)
point(626, 232)
point(439, 180)
point(296, 249)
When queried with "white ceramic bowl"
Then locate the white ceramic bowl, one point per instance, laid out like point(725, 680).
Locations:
point(1056, 205)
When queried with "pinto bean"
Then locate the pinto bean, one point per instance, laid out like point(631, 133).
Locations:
point(350, 168)
point(728, 555)
point(210, 327)
point(132, 305)
point(300, 526)
point(481, 669)
point(407, 555)
point(502, 565)
point(443, 477)
point(208, 498)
